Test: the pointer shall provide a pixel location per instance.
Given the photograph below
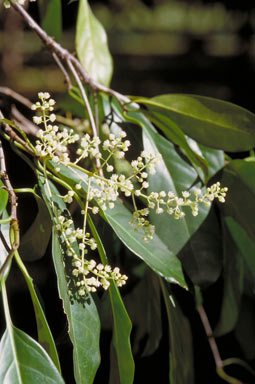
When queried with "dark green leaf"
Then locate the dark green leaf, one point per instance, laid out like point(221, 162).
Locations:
point(91, 45)
point(154, 253)
point(211, 122)
point(176, 135)
point(83, 319)
point(180, 339)
point(202, 256)
point(121, 321)
point(176, 175)
point(233, 274)
point(38, 233)
point(51, 17)
point(245, 328)
point(24, 361)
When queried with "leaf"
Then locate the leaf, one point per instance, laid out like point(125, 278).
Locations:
point(38, 233)
point(154, 253)
point(24, 361)
point(121, 321)
point(83, 319)
point(180, 339)
point(3, 198)
point(44, 334)
point(176, 136)
point(91, 45)
point(202, 256)
point(51, 17)
point(233, 275)
point(239, 177)
point(213, 157)
point(211, 122)
point(176, 175)
point(245, 328)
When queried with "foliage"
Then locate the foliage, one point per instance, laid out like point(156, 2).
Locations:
point(130, 188)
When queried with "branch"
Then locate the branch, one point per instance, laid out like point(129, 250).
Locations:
point(214, 348)
point(21, 99)
point(66, 56)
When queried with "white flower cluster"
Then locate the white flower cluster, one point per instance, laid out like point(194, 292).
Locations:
point(89, 274)
point(7, 3)
point(52, 142)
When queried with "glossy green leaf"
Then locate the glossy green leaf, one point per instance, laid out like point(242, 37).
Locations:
point(51, 17)
point(121, 321)
point(214, 157)
point(38, 233)
point(24, 361)
point(245, 327)
point(4, 243)
point(233, 275)
point(176, 175)
point(91, 45)
point(154, 253)
point(211, 122)
point(83, 319)
point(180, 338)
point(45, 337)
point(176, 136)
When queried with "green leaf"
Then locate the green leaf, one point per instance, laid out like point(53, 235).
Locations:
point(84, 323)
point(239, 177)
point(91, 45)
point(45, 337)
point(4, 243)
point(176, 175)
point(154, 253)
point(176, 136)
point(202, 256)
point(180, 339)
point(38, 233)
point(245, 328)
point(3, 198)
point(213, 157)
point(83, 319)
point(233, 275)
point(51, 17)
point(211, 122)
point(121, 321)
point(24, 361)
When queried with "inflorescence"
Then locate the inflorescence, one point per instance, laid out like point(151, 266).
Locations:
point(102, 192)
point(7, 3)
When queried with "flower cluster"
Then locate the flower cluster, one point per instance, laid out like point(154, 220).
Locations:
point(89, 274)
point(103, 191)
point(7, 3)
point(52, 142)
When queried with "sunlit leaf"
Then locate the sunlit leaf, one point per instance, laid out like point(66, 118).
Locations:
point(23, 360)
point(211, 122)
point(91, 45)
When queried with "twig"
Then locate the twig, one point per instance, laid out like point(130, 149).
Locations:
point(14, 219)
point(214, 348)
point(86, 101)
point(19, 119)
point(21, 99)
point(66, 56)
point(63, 70)
point(13, 135)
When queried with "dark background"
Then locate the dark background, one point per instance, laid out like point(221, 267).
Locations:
point(158, 46)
